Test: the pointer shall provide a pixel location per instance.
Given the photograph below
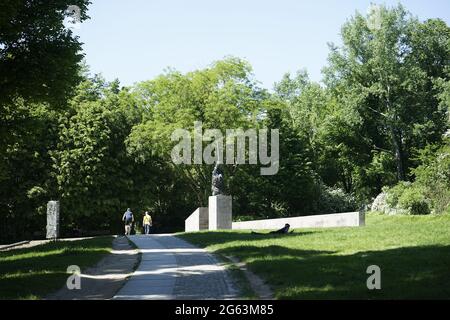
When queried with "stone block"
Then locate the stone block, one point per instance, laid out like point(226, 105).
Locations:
point(220, 212)
point(198, 220)
point(52, 219)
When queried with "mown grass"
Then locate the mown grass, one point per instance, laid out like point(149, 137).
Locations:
point(239, 278)
point(32, 273)
point(413, 253)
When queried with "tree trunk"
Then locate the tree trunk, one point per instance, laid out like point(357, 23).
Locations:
point(398, 151)
point(395, 136)
point(347, 181)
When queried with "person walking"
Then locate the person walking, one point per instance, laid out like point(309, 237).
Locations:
point(128, 218)
point(147, 222)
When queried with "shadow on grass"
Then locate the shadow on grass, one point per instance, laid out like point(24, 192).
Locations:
point(209, 238)
point(34, 272)
point(270, 251)
point(421, 272)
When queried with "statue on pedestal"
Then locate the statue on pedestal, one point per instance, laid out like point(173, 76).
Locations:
point(217, 185)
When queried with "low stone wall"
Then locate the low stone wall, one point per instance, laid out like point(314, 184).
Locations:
point(347, 219)
point(198, 220)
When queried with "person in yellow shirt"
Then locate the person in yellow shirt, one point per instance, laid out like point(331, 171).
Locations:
point(147, 222)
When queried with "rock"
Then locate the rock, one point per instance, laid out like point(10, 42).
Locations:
point(380, 204)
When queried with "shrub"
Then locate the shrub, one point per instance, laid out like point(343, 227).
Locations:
point(413, 200)
point(334, 200)
point(279, 209)
point(394, 193)
point(433, 176)
point(245, 218)
point(407, 198)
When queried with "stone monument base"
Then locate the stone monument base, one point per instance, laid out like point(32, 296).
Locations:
point(197, 221)
point(220, 212)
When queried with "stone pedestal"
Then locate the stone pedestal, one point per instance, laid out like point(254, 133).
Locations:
point(220, 212)
point(197, 221)
point(52, 219)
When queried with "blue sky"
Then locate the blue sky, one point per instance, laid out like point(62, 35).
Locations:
point(135, 40)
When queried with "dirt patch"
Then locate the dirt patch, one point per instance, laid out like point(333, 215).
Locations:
point(107, 277)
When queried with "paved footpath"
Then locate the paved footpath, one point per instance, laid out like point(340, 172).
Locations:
point(171, 268)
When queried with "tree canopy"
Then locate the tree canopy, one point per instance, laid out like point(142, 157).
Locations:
point(379, 121)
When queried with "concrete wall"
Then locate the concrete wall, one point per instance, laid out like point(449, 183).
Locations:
point(198, 220)
point(347, 219)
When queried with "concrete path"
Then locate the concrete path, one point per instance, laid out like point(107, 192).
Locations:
point(171, 268)
point(103, 280)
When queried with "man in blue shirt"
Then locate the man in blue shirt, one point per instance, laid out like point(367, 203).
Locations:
point(128, 218)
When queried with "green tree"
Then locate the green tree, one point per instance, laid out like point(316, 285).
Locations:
point(222, 97)
point(39, 56)
point(92, 170)
point(384, 74)
point(39, 66)
point(25, 181)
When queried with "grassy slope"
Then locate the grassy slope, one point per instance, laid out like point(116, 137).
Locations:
point(413, 253)
point(34, 272)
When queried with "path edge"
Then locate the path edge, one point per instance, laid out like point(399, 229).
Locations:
point(255, 287)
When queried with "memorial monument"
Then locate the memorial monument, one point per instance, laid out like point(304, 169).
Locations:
point(52, 219)
point(219, 204)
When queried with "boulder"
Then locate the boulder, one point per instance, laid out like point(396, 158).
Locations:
point(380, 204)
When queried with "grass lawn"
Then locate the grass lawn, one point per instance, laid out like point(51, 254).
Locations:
point(32, 273)
point(413, 253)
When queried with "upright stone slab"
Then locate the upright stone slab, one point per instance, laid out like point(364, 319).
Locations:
point(220, 212)
point(197, 221)
point(52, 219)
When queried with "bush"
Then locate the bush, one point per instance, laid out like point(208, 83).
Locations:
point(335, 200)
point(394, 193)
point(433, 175)
point(407, 198)
point(430, 192)
point(245, 218)
point(413, 200)
point(279, 209)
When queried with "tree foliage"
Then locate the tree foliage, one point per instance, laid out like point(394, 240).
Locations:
point(380, 117)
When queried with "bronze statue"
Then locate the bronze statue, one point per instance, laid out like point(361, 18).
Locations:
point(217, 185)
